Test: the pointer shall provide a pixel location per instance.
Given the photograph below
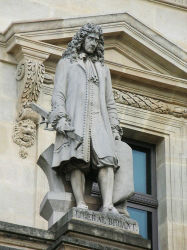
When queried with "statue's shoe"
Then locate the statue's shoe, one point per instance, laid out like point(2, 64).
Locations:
point(109, 209)
point(82, 205)
point(125, 213)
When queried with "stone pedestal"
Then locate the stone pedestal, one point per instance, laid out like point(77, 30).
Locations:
point(55, 205)
point(82, 229)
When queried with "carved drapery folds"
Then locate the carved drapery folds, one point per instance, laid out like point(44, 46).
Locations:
point(30, 76)
point(149, 103)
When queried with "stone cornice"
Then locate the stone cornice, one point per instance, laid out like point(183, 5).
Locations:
point(123, 49)
point(122, 23)
point(21, 46)
point(149, 77)
point(172, 123)
point(182, 4)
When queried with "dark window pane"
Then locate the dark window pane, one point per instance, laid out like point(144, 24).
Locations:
point(142, 218)
point(139, 164)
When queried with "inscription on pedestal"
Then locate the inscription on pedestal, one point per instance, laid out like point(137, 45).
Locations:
point(107, 219)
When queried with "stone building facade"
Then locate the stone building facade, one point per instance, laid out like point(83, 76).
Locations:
point(145, 43)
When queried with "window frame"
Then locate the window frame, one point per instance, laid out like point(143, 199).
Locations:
point(147, 202)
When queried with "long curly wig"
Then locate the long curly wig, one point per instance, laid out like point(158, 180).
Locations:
point(74, 47)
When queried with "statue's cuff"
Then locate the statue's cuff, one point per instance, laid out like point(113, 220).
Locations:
point(55, 117)
point(117, 129)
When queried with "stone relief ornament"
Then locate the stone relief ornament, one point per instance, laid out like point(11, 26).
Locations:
point(33, 82)
point(20, 71)
point(47, 86)
point(148, 103)
point(24, 135)
point(30, 73)
point(48, 79)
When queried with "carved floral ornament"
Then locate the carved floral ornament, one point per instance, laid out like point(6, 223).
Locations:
point(31, 74)
point(149, 103)
point(34, 71)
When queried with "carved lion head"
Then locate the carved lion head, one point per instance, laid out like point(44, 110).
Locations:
point(24, 133)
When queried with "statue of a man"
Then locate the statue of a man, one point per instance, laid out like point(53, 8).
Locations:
point(83, 107)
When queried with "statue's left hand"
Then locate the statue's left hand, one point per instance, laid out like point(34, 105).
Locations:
point(116, 136)
point(117, 132)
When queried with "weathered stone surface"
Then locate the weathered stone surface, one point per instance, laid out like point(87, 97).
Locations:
point(113, 221)
point(76, 243)
point(55, 205)
point(31, 231)
point(13, 236)
point(7, 248)
point(70, 233)
point(95, 230)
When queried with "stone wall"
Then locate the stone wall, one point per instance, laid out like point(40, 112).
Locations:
point(166, 17)
point(149, 78)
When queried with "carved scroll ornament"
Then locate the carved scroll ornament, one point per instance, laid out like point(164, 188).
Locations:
point(30, 75)
point(148, 103)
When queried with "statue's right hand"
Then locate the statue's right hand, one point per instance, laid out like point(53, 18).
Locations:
point(63, 125)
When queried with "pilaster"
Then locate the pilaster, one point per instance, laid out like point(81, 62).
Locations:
point(30, 76)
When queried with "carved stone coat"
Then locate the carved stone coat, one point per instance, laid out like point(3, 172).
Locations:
point(71, 100)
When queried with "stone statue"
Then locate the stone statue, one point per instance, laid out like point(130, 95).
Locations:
point(83, 103)
point(88, 135)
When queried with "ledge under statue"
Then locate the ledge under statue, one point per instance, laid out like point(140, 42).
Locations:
point(88, 147)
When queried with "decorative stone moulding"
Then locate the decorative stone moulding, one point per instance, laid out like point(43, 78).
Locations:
point(149, 103)
point(33, 80)
point(175, 3)
point(48, 79)
point(30, 77)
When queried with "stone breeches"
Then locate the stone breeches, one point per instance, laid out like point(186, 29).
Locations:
point(93, 166)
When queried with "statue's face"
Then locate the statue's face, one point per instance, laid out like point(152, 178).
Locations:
point(90, 43)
